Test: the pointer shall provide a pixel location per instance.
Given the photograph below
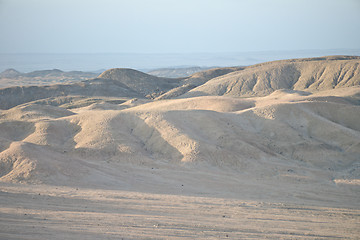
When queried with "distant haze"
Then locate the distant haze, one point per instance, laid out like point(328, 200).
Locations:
point(145, 62)
point(182, 30)
point(172, 26)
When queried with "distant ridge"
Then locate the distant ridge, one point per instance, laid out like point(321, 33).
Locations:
point(13, 96)
point(309, 74)
point(43, 73)
point(12, 77)
point(177, 72)
point(9, 73)
point(312, 74)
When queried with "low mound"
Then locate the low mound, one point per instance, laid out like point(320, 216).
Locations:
point(218, 104)
point(16, 164)
point(301, 74)
point(35, 111)
point(25, 162)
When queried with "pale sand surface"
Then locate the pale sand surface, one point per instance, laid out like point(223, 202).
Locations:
point(47, 212)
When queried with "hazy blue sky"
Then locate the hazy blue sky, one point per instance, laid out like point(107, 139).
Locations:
point(177, 26)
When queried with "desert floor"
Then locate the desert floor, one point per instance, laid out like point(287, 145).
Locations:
point(58, 212)
point(44, 212)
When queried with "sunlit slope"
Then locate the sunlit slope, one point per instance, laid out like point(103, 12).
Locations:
point(311, 74)
point(288, 133)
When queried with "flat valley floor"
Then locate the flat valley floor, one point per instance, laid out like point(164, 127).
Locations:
point(48, 212)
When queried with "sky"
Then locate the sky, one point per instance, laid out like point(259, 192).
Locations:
point(177, 26)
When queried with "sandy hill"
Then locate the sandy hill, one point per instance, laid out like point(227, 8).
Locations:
point(298, 74)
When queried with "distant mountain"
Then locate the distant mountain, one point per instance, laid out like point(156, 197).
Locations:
point(297, 74)
point(111, 83)
point(44, 73)
point(11, 77)
point(310, 74)
point(9, 73)
point(177, 72)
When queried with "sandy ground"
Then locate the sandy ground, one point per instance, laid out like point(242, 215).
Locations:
point(47, 212)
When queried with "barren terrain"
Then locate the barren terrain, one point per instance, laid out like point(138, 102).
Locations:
point(134, 156)
point(43, 212)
